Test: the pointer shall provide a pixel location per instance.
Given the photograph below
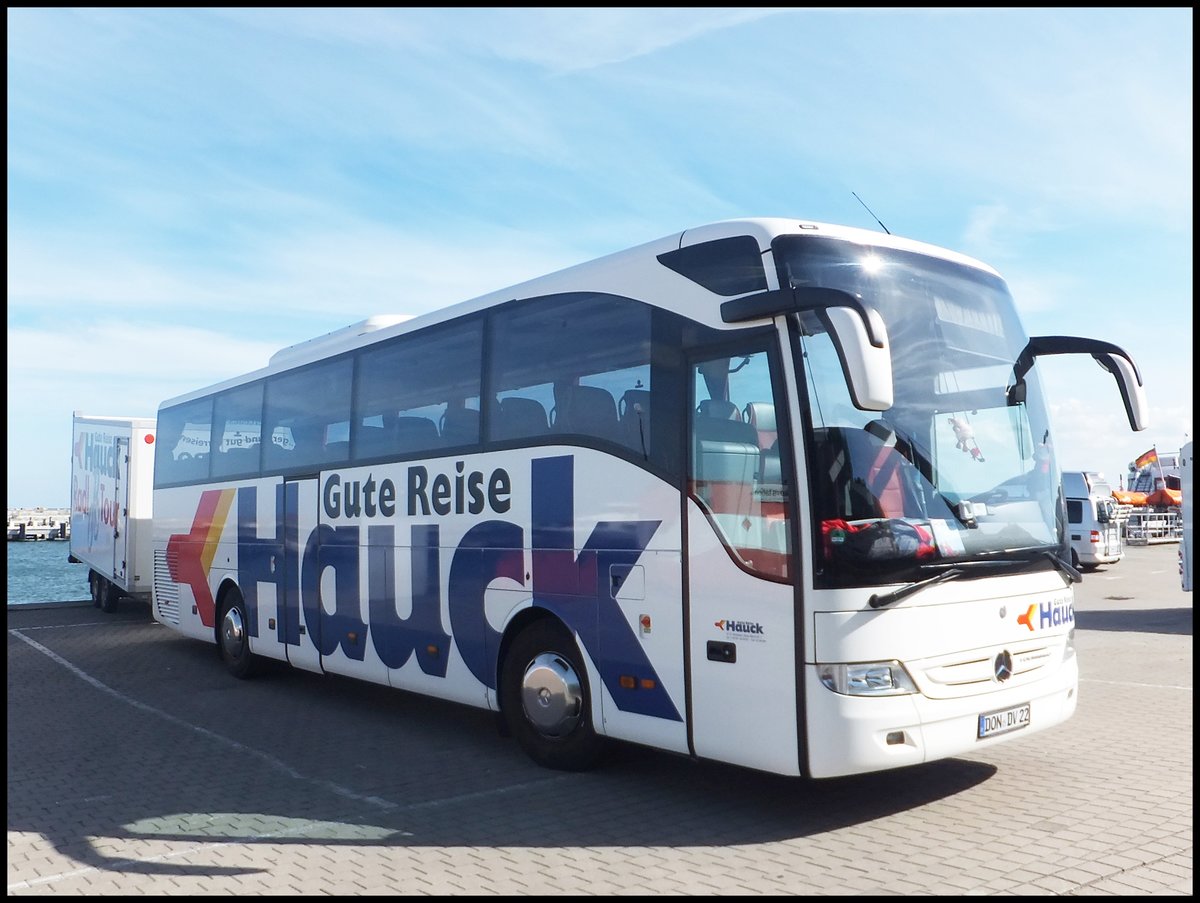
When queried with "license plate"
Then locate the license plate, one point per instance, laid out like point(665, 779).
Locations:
point(1003, 721)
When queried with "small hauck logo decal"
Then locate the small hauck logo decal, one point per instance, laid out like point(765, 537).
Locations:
point(746, 630)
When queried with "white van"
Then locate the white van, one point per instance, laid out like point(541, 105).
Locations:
point(1092, 524)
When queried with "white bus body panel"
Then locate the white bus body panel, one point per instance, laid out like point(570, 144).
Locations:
point(743, 710)
point(112, 495)
point(638, 632)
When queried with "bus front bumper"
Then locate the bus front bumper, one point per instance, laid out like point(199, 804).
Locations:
point(858, 734)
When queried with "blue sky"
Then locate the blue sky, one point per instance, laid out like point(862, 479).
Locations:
point(191, 190)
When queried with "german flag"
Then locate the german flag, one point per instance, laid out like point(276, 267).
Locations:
point(1147, 459)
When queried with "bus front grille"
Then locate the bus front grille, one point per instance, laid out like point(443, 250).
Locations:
point(950, 677)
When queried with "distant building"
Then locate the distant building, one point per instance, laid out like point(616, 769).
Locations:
point(29, 524)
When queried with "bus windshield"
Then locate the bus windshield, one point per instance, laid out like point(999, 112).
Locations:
point(957, 469)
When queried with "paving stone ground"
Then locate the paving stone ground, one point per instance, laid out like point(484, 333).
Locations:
point(136, 765)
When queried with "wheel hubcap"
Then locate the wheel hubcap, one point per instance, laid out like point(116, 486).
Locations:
point(552, 695)
point(233, 633)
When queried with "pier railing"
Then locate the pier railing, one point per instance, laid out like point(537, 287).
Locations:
point(1148, 527)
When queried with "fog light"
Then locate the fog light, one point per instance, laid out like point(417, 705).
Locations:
point(895, 738)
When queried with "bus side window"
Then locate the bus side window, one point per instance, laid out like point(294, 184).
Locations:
point(589, 410)
point(634, 414)
point(416, 434)
point(415, 392)
point(727, 457)
point(310, 441)
point(515, 417)
point(314, 402)
point(237, 431)
point(460, 425)
point(736, 467)
point(185, 434)
point(761, 416)
point(574, 355)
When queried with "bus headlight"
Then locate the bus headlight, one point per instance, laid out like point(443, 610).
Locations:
point(867, 679)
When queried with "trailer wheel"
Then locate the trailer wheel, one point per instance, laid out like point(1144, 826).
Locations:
point(545, 699)
point(105, 596)
point(233, 636)
point(112, 595)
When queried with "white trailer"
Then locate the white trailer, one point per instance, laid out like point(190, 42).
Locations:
point(112, 489)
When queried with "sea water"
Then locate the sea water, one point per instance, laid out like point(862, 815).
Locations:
point(39, 572)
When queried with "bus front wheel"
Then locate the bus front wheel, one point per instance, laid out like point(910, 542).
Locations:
point(545, 699)
point(233, 636)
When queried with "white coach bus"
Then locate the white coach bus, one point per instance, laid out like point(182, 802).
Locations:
point(767, 492)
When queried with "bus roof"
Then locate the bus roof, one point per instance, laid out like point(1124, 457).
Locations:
point(617, 273)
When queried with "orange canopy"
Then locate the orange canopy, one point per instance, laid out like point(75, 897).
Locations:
point(1165, 498)
point(1128, 497)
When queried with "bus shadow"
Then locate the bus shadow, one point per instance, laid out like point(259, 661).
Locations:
point(639, 802)
point(196, 761)
point(1170, 621)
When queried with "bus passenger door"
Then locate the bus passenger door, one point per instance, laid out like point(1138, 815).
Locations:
point(741, 603)
point(303, 633)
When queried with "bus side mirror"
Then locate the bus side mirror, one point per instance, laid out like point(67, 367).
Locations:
point(1113, 359)
point(866, 363)
point(1129, 381)
point(857, 331)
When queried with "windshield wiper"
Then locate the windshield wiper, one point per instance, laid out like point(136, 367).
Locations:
point(879, 600)
point(1064, 566)
point(1029, 557)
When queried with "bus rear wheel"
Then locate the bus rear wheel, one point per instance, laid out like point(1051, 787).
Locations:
point(233, 636)
point(545, 699)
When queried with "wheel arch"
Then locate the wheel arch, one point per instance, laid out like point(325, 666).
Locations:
point(225, 588)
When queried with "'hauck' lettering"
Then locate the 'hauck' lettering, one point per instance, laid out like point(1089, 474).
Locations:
point(322, 602)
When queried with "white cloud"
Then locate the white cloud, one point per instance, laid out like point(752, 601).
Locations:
point(344, 272)
point(228, 182)
point(558, 39)
point(123, 352)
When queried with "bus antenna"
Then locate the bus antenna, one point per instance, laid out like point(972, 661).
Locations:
point(872, 212)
